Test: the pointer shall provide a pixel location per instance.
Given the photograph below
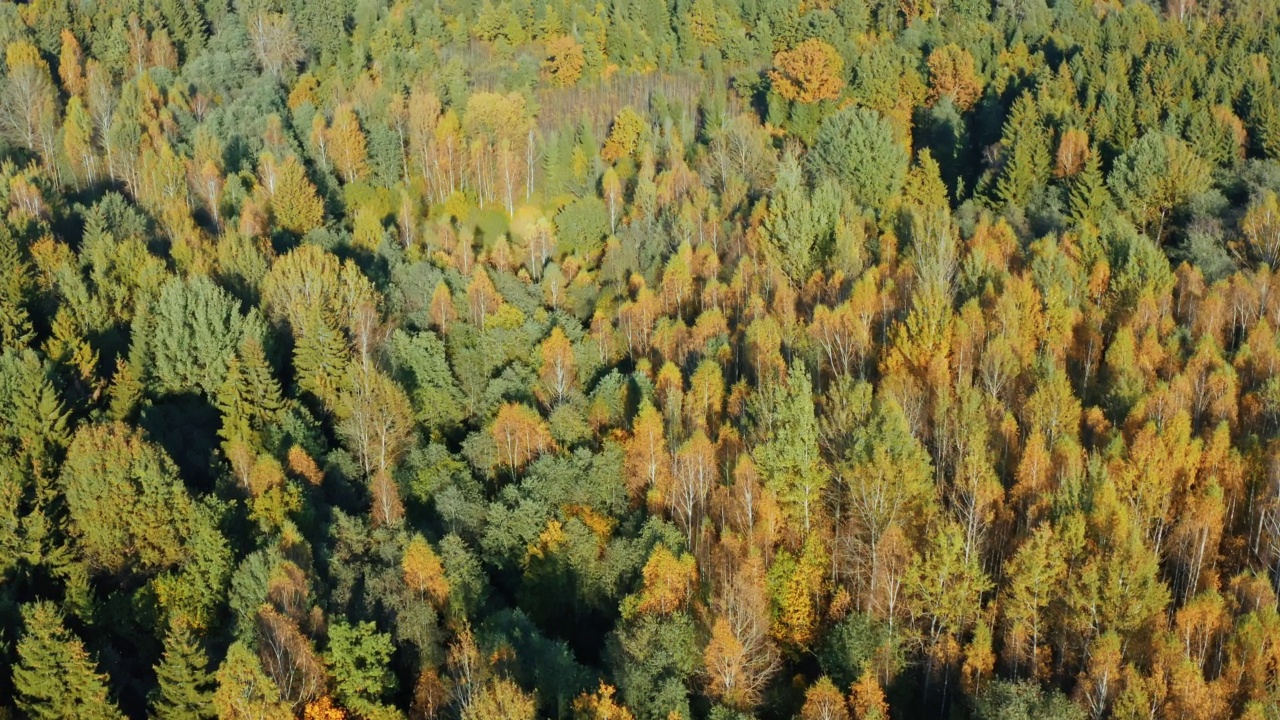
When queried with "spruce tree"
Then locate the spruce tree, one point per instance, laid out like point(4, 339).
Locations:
point(1089, 194)
point(1026, 145)
point(55, 679)
point(185, 690)
point(320, 360)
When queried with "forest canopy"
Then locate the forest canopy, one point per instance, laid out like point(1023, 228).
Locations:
point(640, 359)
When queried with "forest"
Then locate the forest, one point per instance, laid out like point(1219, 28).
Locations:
point(640, 359)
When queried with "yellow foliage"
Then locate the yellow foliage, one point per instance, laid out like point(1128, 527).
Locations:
point(668, 582)
point(564, 62)
point(600, 705)
point(423, 571)
point(808, 72)
point(323, 709)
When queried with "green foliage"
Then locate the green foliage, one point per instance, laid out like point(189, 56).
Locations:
point(800, 223)
point(55, 678)
point(359, 657)
point(788, 458)
point(656, 658)
point(128, 510)
point(361, 325)
point(189, 336)
point(581, 226)
point(184, 685)
point(1025, 143)
point(1004, 700)
point(858, 147)
point(1155, 176)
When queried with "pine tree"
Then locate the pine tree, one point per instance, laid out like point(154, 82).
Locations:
point(259, 383)
point(185, 690)
point(55, 679)
point(789, 460)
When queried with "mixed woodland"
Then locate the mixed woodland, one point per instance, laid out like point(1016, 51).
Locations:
point(640, 359)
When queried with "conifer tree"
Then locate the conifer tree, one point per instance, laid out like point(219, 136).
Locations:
point(55, 679)
point(320, 361)
point(185, 686)
point(1089, 194)
point(1028, 160)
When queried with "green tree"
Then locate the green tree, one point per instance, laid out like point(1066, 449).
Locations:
point(184, 685)
point(789, 458)
point(188, 337)
point(1028, 159)
point(581, 226)
point(800, 223)
point(127, 508)
point(55, 679)
point(653, 659)
point(244, 690)
point(1155, 176)
point(858, 148)
point(1004, 700)
point(360, 659)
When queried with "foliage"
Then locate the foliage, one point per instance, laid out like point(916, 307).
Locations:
point(639, 360)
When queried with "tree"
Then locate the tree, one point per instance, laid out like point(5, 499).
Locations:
point(668, 582)
point(292, 198)
point(740, 658)
point(1261, 228)
point(359, 657)
point(275, 43)
point(648, 464)
point(375, 420)
point(520, 434)
point(77, 140)
point(867, 698)
point(1024, 143)
point(1035, 571)
point(127, 507)
point(824, 701)
point(54, 678)
point(952, 74)
point(184, 685)
point(858, 147)
point(28, 113)
point(581, 225)
point(1155, 176)
point(189, 336)
point(809, 72)
point(789, 459)
point(600, 705)
point(424, 575)
point(624, 135)
point(564, 61)
point(71, 64)
point(944, 593)
point(347, 144)
point(653, 658)
point(800, 223)
point(320, 362)
point(1024, 701)
point(502, 700)
point(558, 373)
point(244, 690)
